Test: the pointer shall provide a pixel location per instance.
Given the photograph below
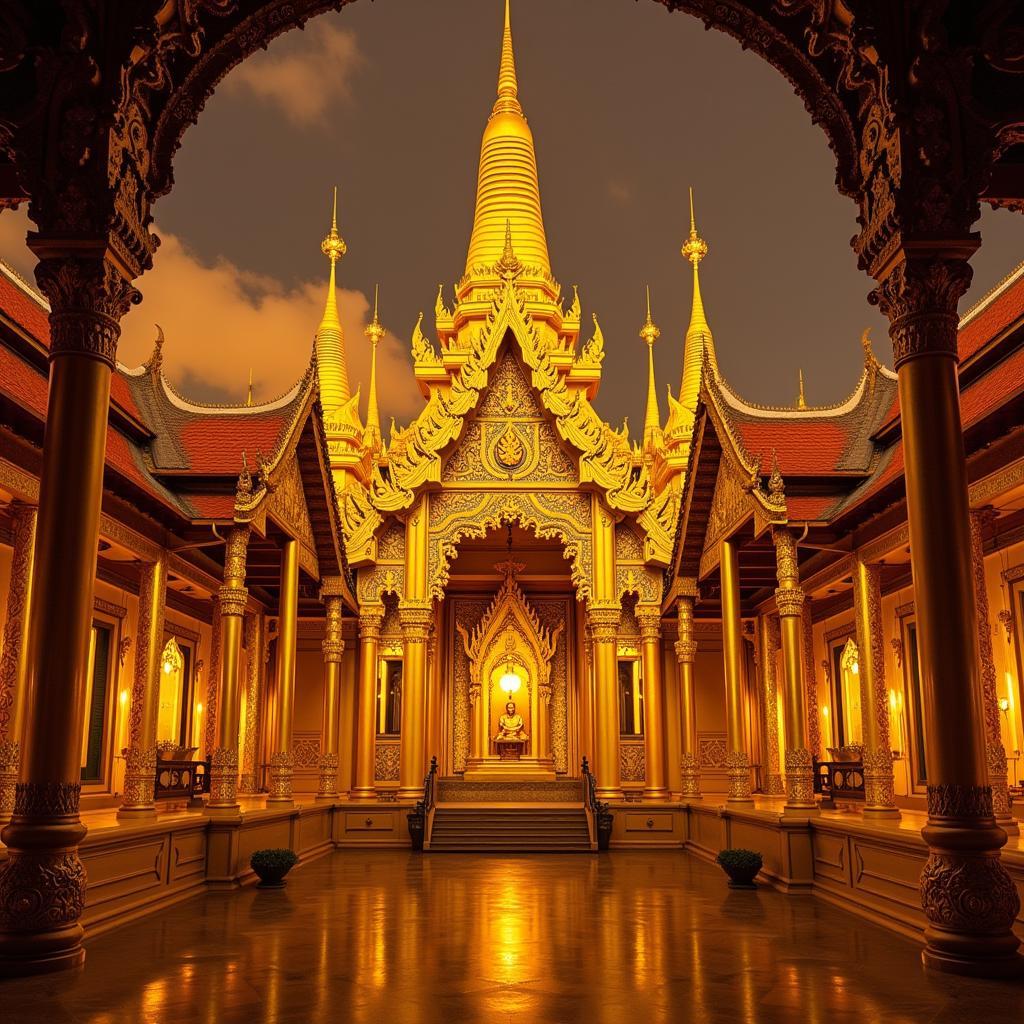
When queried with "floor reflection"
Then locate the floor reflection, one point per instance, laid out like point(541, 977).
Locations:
point(390, 938)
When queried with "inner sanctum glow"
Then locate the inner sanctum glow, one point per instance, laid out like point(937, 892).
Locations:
point(510, 682)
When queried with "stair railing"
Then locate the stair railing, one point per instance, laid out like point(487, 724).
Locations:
point(429, 801)
point(590, 802)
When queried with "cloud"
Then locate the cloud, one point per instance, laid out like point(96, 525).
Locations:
point(13, 251)
point(220, 319)
point(302, 74)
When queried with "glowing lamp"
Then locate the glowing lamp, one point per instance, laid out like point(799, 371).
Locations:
point(123, 696)
point(510, 681)
point(1004, 704)
point(168, 668)
point(855, 668)
point(824, 710)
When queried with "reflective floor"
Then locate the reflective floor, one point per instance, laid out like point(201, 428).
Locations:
point(394, 937)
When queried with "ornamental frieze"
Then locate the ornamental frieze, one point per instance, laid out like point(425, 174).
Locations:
point(288, 507)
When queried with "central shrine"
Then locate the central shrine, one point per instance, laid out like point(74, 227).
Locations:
point(508, 453)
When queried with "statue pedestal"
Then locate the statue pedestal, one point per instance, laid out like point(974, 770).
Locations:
point(510, 750)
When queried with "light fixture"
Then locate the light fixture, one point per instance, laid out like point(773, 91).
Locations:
point(1004, 705)
point(855, 668)
point(824, 710)
point(510, 681)
point(123, 696)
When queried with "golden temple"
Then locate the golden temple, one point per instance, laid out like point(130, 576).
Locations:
point(507, 625)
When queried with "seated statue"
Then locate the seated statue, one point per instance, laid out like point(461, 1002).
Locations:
point(511, 725)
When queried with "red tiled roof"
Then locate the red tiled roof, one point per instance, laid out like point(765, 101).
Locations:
point(1002, 312)
point(809, 507)
point(212, 506)
point(803, 446)
point(214, 444)
point(24, 311)
point(992, 389)
point(22, 383)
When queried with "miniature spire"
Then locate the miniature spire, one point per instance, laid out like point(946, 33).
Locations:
point(698, 334)
point(652, 418)
point(330, 339)
point(155, 361)
point(801, 400)
point(507, 186)
point(248, 397)
point(375, 332)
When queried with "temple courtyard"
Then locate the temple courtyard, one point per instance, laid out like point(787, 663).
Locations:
point(394, 936)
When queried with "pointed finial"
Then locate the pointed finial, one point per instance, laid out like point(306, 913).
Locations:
point(650, 331)
point(801, 401)
point(776, 484)
point(374, 329)
point(248, 397)
point(509, 265)
point(333, 246)
point(156, 357)
point(508, 84)
point(694, 248)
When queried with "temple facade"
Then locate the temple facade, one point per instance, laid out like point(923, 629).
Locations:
point(709, 630)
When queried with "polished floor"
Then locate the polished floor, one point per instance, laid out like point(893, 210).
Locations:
point(395, 937)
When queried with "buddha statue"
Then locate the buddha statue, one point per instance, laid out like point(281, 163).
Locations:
point(511, 725)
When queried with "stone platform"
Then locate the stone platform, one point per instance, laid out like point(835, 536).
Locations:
point(504, 791)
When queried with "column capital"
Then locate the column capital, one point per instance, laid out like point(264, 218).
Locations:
point(235, 551)
point(333, 643)
point(789, 601)
point(686, 651)
point(649, 619)
point(603, 618)
point(417, 620)
point(371, 618)
point(233, 600)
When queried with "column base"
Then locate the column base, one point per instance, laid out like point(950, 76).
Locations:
point(656, 794)
point(362, 795)
point(279, 802)
point(143, 813)
point(409, 793)
point(222, 810)
point(327, 798)
point(609, 794)
point(986, 964)
point(882, 813)
point(42, 952)
point(739, 801)
point(801, 811)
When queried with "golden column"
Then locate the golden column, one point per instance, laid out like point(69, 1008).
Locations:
point(333, 648)
point(969, 899)
point(371, 616)
point(604, 615)
point(737, 758)
point(767, 649)
point(995, 754)
point(233, 598)
point(649, 618)
point(686, 652)
point(140, 757)
point(811, 684)
point(42, 881)
point(212, 679)
point(255, 651)
point(417, 621)
point(879, 786)
point(416, 615)
point(789, 599)
point(281, 760)
point(14, 655)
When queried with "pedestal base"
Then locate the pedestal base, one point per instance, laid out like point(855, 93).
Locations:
point(523, 769)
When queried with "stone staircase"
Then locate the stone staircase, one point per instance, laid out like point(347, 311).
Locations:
point(502, 817)
point(510, 830)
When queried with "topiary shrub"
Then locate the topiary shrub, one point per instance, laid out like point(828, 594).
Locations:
point(272, 866)
point(741, 866)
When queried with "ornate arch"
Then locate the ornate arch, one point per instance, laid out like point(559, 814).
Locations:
point(563, 515)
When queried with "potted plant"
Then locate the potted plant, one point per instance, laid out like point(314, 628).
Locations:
point(741, 866)
point(272, 866)
point(604, 825)
point(417, 822)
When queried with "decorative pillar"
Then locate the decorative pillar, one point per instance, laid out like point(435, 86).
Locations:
point(42, 881)
point(212, 679)
point(233, 599)
point(370, 618)
point(686, 652)
point(811, 684)
point(737, 758)
point(604, 629)
point(969, 899)
point(994, 752)
point(417, 621)
point(649, 618)
point(281, 760)
point(139, 799)
point(254, 662)
point(767, 650)
point(879, 785)
point(333, 648)
point(789, 599)
point(14, 655)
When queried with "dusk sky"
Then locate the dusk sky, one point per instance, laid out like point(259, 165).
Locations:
point(628, 103)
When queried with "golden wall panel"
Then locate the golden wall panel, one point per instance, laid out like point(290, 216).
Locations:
point(887, 871)
point(121, 869)
point(314, 828)
point(188, 855)
point(831, 857)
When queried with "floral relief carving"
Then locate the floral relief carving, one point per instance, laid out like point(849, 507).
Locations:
point(712, 750)
point(386, 761)
point(632, 762)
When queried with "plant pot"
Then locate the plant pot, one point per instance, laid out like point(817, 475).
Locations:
point(741, 866)
point(604, 831)
point(741, 878)
point(271, 866)
point(271, 878)
point(417, 828)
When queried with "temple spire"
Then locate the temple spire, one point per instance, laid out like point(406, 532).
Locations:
point(652, 417)
point(330, 339)
point(801, 400)
point(248, 398)
point(698, 334)
point(508, 189)
point(375, 332)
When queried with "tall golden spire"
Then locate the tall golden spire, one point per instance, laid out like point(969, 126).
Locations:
point(698, 334)
point(248, 397)
point(375, 332)
point(330, 339)
point(652, 417)
point(801, 400)
point(508, 189)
